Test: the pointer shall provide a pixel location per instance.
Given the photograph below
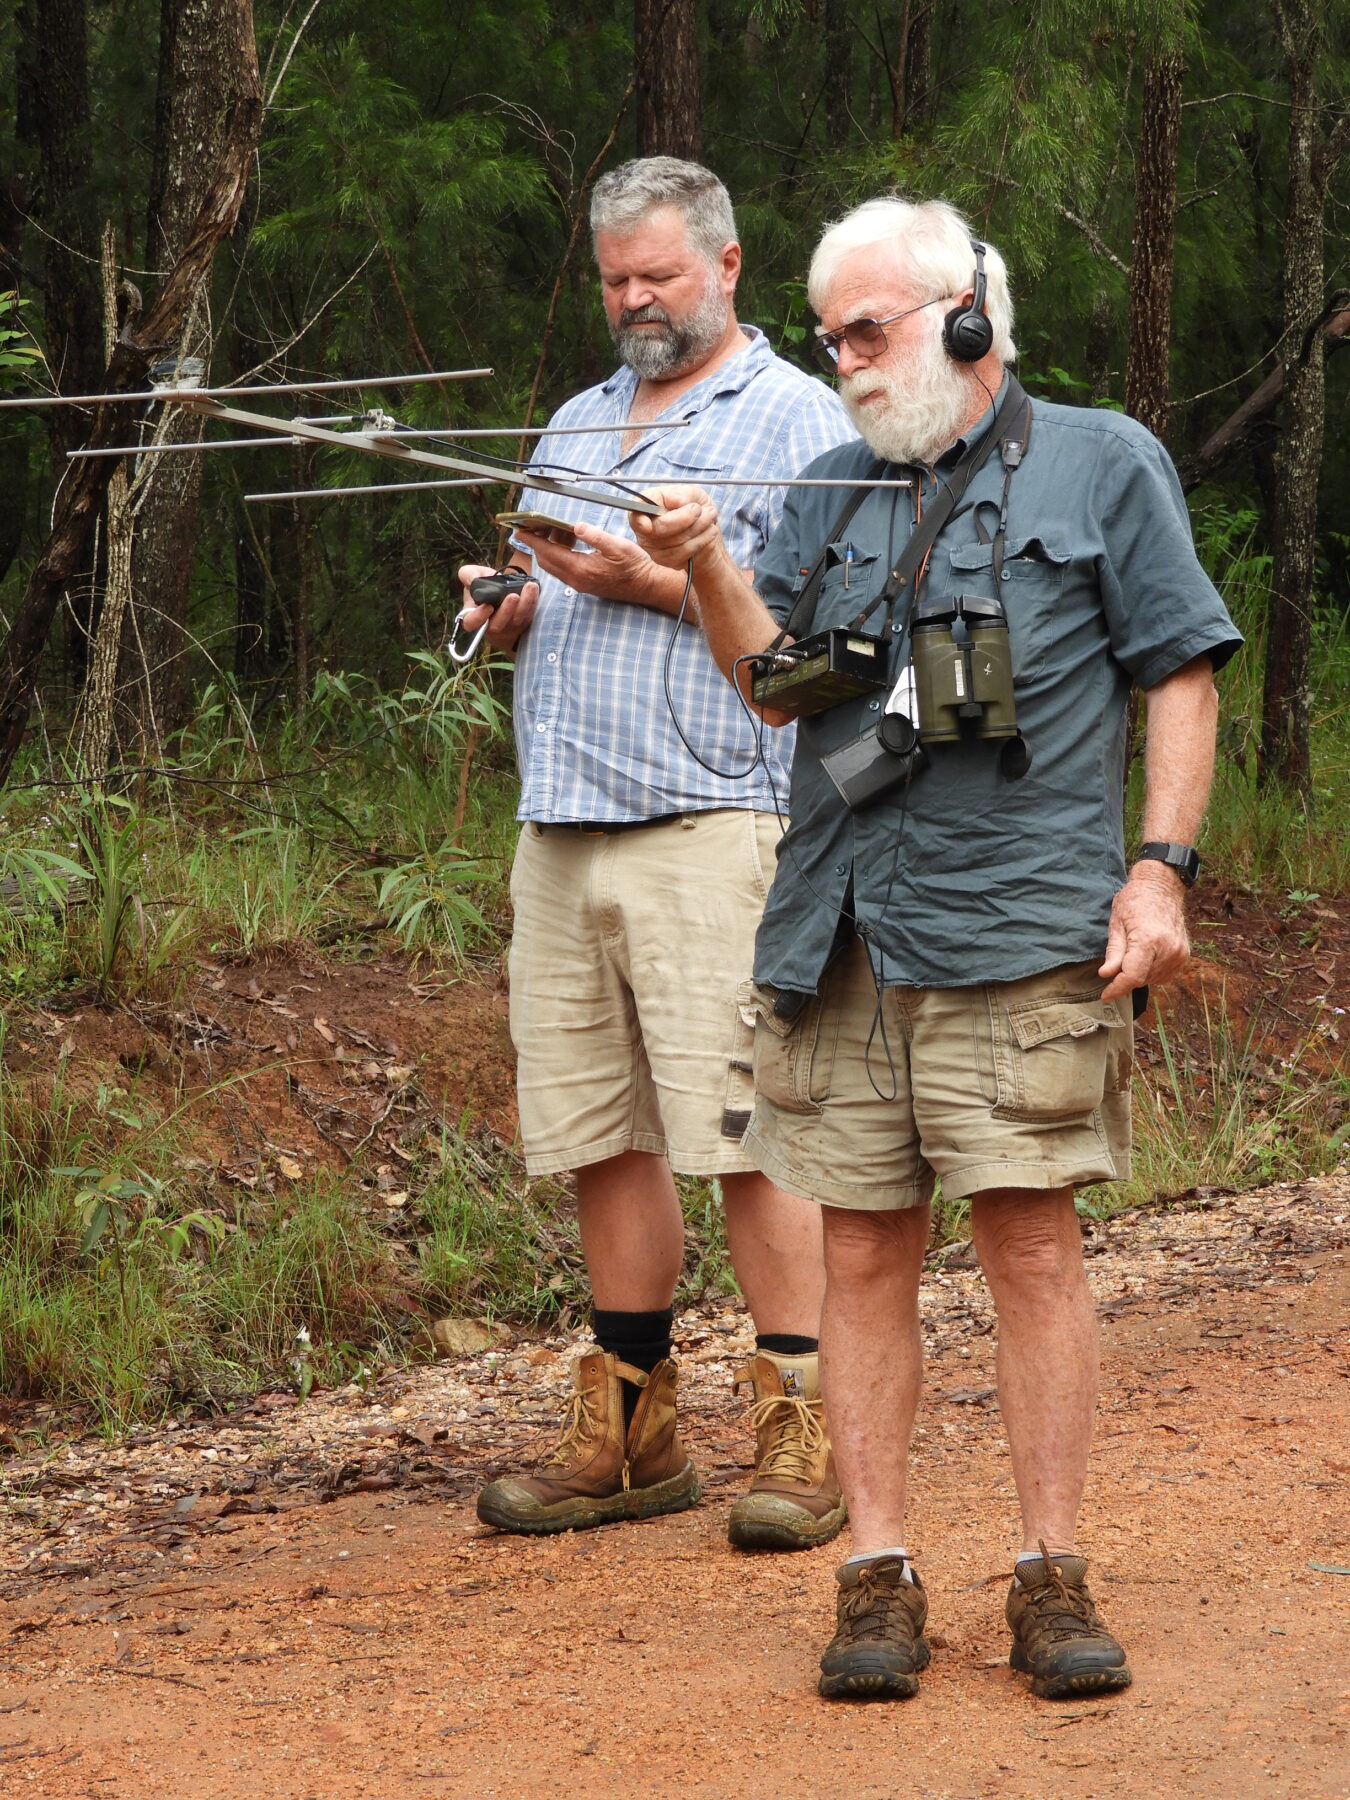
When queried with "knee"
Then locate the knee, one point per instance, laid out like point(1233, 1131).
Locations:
point(865, 1249)
point(1028, 1239)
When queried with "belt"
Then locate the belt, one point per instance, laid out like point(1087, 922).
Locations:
point(609, 828)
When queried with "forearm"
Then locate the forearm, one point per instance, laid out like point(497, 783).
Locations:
point(735, 620)
point(1183, 717)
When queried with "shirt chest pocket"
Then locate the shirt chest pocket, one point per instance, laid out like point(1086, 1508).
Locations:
point(849, 583)
point(1030, 589)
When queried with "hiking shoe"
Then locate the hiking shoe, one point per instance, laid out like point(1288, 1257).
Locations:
point(794, 1501)
point(878, 1649)
point(598, 1471)
point(1057, 1637)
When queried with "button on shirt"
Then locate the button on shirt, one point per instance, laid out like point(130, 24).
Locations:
point(595, 739)
point(965, 876)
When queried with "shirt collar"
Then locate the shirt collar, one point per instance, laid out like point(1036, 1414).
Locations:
point(955, 451)
point(736, 373)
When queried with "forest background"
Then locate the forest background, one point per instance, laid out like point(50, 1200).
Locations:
point(229, 728)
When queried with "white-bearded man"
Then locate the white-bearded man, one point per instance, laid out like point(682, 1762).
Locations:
point(944, 969)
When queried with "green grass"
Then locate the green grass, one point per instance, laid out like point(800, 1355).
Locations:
point(1266, 840)
point(347, 815)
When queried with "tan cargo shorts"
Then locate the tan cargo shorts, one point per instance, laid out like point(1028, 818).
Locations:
point(1017, 1084)
point(626, 958)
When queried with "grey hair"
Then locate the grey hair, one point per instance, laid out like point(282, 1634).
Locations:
point(932, 242)
point(623, 198)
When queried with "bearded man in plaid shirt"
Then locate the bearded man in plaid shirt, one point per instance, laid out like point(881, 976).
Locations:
point(641, 870)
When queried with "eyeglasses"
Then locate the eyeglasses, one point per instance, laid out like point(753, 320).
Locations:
point(864, 337)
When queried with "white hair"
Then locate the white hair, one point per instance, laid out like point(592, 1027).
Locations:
point(933, 244)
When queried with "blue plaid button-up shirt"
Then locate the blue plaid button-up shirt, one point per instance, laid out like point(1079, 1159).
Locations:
point(594, 735)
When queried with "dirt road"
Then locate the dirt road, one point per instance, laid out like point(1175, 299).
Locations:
point(179, 1643)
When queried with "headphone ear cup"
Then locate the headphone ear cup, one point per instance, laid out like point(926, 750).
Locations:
point(967, 334)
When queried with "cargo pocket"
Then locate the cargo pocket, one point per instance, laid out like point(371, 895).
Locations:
point(1051, 1055)
point(740, 1096)
point(790, 1070)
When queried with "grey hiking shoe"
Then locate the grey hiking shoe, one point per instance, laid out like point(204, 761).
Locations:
point(878, 1649)
point(1057, 1637)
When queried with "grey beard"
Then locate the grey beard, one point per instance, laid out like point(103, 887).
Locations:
point(657, 355)
point(926, 407)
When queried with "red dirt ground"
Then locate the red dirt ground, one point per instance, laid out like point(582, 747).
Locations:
point(388, 1646)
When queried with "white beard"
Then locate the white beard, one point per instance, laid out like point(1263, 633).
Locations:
point(927, 405)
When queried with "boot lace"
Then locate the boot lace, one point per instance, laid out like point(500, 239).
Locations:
point(580, 1424)
point(1060, 1611)
point(874, 1602)
point(797, 1436)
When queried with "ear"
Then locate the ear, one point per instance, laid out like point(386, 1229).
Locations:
point(729, 267)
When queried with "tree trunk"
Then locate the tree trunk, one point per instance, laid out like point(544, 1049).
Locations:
point(666, 59)
point(836, 49)
point(52, 125)
point(1155, 208)
point(92, 734)
point(1284, 753)
point(199, 57)
point(81, 494)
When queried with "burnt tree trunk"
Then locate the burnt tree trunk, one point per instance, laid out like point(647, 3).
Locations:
point(1284, 753)
point(198, 72)
point(666, 60)
point(1155, 210)
point(81, 494)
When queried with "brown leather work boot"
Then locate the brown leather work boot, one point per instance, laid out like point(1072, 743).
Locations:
point(1057, 1637)
point(878, 1649)
point(598, 1472)
point(794, 1500)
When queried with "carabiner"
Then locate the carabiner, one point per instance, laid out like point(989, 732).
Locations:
point(464, 656)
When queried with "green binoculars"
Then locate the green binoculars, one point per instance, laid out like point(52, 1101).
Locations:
point(963, 679)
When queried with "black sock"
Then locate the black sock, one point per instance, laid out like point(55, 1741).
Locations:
point(641, 1339)
point(783, 1343)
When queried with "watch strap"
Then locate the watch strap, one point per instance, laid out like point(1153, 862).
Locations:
point(1181, 857)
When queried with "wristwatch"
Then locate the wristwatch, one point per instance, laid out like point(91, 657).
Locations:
point(1180, 857)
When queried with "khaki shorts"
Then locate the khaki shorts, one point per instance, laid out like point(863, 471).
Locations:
point(625, 962)
point(1017, 1084)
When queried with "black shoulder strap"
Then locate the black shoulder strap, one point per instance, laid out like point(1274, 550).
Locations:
point(924, 535)
point(952, 491)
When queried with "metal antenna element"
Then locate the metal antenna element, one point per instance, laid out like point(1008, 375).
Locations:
point(186, 393)
point(526, 480)
point(197, 445)
point(381, 443)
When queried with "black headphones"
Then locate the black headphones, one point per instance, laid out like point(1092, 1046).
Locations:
point(967, 333)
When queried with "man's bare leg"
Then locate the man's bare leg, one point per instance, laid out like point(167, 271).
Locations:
point(872, 1358)
point(775, 1244)
point(632, 1231)
point(1031, 1249)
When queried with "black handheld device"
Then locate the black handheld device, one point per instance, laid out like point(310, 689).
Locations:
point(818, 672)
point(490, 591)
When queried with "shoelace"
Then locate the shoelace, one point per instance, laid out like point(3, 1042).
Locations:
point(1059, 1610)
point(872, 1598)
point(799, 1435)
point(579, 1425)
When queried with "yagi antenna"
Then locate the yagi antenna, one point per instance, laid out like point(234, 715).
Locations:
point(392, 444)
